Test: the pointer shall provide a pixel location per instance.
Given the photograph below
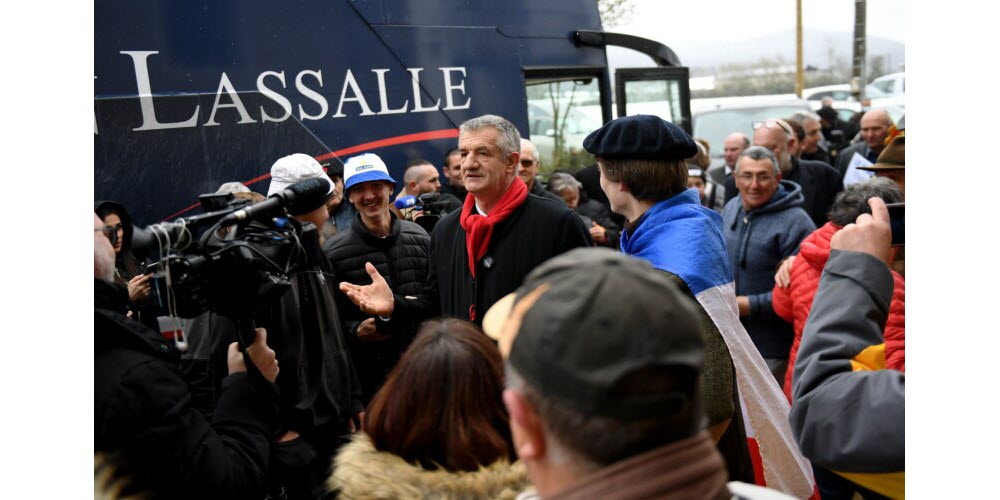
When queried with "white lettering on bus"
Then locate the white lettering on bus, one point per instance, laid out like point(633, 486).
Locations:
point(146, 94)
point(454, 78)
point(312, 94)
point(349, 81)
point(448, 87)
point(417, 107)
point(383, 96)
point(226, 85)
point(274, 96)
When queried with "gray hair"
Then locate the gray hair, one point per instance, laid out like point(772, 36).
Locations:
point(530, 146)
point(559, 181)
point(802, 116)
point(853, 200)
point(757, 153)
point(509, 140)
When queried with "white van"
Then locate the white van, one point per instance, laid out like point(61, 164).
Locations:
point(893, 84)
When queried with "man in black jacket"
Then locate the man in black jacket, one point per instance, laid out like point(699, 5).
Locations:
point(482, 252)
point(820, 182)
point(144, 423)
point(321, 396)
point(398, 251)
point(874, 131)
point(527, 170)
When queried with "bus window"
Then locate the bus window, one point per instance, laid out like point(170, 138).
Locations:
point(663, 92)
point(561, 113)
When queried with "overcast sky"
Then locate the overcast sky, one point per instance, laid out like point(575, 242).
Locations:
point(671, 21)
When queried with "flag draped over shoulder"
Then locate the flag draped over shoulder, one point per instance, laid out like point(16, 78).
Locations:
point(679, 236)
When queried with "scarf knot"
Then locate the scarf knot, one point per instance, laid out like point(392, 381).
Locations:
point(479, 229)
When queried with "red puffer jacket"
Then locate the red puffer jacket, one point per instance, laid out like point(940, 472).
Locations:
point(793, 303)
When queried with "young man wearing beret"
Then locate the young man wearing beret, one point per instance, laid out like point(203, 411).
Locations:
point(642, 166)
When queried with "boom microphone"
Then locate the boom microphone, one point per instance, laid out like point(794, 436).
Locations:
point(299, 197)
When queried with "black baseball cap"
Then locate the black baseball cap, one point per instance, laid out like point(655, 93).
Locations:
point(585, 320)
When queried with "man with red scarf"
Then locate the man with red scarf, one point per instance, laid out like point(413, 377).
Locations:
point(483, 252)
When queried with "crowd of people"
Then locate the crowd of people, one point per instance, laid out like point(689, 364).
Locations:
point(725, 340)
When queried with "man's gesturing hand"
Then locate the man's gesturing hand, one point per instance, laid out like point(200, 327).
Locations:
point(869, 234)
point(260, 354)
point(372, 299)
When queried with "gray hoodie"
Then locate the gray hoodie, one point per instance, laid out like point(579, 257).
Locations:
point(757, 241)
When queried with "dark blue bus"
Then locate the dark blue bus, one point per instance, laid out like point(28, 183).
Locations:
point(189, 94)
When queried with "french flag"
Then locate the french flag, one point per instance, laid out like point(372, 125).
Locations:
point(680, 236)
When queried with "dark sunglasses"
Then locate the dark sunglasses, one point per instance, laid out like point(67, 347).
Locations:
point(111, 232)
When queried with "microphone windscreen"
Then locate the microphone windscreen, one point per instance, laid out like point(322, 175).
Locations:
point(406, 202)
point(308, 195)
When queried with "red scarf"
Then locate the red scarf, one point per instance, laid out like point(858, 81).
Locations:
point(479, 229)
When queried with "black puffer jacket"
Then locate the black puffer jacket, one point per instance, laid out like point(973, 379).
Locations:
point(145, 424)
point(402, 259)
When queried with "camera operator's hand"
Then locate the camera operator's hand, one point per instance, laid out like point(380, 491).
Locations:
point(598, 233)
point(261, 355)
point(366, 332)
point(870, 234)
point(138, 288)
point(372, 299)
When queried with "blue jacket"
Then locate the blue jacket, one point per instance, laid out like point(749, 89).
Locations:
point(757, 241)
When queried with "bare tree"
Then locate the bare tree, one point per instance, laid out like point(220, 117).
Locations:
point(615, 12)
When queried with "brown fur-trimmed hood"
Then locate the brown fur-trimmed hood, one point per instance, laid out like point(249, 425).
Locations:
point(360, 471)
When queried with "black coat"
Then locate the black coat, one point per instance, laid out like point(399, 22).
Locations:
point(602, 216)
point(145, 424)
point(820, 185)
point(402, 259)
point(319, 387)
point(538, 230)
point(590, 177)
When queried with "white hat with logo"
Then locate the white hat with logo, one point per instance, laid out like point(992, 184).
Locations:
point(365, 168)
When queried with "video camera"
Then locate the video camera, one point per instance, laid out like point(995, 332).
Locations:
point(430, 206)
point(233, 257)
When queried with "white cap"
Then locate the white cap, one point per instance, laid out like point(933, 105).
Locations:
point(365, 168)
point(294, 168)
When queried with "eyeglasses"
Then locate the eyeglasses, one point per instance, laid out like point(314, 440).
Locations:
point(111, 232)
point(527, 163)
point(748, 178)
point(773, 124)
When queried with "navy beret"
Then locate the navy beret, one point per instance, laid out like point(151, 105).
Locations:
point(640, 136)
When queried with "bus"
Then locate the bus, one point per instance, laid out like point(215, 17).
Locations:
point(189, 95)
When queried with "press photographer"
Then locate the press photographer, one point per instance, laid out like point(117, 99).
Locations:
point(250, 265)
point(144, 425)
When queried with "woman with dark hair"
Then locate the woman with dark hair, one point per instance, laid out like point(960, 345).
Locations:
point(128, 269)
point(437, 427)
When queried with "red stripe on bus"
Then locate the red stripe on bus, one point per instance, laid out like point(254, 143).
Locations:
point(449, 133)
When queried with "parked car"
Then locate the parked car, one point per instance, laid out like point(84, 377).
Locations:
point(714, 123)
point(893, 88)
